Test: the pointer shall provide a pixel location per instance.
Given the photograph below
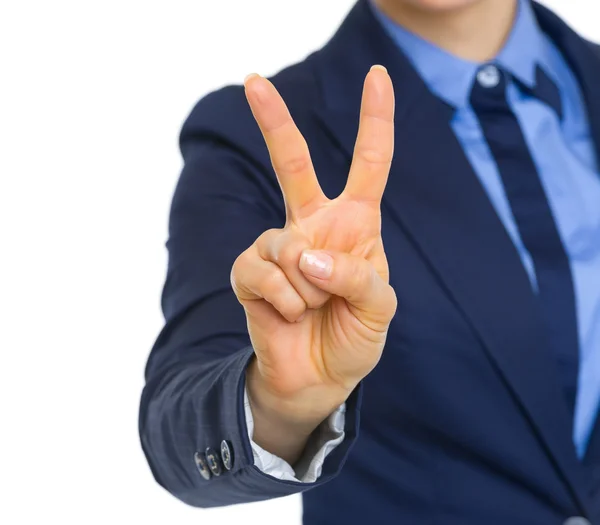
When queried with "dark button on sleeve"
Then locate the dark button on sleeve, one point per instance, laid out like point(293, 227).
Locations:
point(214, 461)
point(227, 454)
point(202, 465)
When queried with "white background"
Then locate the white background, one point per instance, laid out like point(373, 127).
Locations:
point(92, 96)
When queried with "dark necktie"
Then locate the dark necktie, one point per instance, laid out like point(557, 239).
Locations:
point(532, 213)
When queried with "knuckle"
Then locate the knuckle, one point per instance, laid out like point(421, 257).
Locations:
point(290, 308)
point(275, 283)
point(239, 275)
point(293, 164)
point(268, 243)
point(267, 237)
point(270, 233)
point(288, 254)
point(235, 273)
point(360, 274)
point(393, 302)
point(316, 299)
point(372, 155)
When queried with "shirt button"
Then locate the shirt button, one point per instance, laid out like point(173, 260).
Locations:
point(577, 521)
point(488, 76)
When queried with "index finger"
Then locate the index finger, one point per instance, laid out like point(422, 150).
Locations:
point(374, 146)
point(288, 149)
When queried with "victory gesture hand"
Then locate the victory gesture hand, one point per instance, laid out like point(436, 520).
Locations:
point(316, 293)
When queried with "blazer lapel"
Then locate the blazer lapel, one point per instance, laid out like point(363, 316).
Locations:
point(584, 59)
point(435, 195)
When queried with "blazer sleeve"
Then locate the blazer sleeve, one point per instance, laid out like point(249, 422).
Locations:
point(193, 399)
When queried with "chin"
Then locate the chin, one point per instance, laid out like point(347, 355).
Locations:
point(440, 5)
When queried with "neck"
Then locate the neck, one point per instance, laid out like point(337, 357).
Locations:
point(475, 32)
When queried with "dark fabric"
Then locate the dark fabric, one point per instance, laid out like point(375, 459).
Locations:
point(463, 422)
point(592, 462)
point(534, 219)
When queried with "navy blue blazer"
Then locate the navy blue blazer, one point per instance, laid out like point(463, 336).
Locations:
point(463, 422)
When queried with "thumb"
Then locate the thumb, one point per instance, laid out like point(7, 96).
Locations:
point(353, 278)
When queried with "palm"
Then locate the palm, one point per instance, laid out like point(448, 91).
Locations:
point(338, 340)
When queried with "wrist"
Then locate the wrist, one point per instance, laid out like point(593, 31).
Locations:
point(300, 412)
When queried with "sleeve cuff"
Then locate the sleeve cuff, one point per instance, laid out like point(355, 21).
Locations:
point(322, 442)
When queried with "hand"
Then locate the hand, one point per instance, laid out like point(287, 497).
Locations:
point(316, 293)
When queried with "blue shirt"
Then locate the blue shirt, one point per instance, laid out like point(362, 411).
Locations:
point(564, 154)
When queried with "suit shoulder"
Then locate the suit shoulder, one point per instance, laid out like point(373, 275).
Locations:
point(225, 115)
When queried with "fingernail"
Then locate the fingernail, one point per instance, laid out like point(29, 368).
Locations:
point(380, 67)
point(301, 318)
point(248, 77)
point(316, 263)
